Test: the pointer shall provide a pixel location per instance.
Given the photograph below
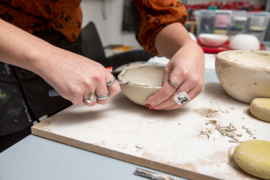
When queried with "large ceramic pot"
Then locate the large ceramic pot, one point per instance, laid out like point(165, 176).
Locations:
point(244, 74)
point(141, 81)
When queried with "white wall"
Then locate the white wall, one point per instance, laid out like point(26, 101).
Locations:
point(109, 29)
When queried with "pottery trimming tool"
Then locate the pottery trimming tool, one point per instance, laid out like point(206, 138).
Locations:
point(126, 82)
point(151, 175)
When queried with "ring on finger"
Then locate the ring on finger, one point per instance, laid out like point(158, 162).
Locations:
point(181, 98)
point(173, 84)
point(103, 97)
point(91, 99)
point(111, 82)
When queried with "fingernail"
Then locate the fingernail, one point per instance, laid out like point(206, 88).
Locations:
point(109, 67)
point(147, 105)
point(151, 109)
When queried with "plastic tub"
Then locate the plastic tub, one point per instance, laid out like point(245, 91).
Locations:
point(230, 23)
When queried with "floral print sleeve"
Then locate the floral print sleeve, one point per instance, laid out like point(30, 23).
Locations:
point(155, 15)
point(33, 15)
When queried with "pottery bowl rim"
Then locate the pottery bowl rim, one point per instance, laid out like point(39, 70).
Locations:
point(222, 56)
point(121, 75)
point(213, 36)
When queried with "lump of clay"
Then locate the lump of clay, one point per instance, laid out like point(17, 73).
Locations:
point(260, 108)
point(254, 158)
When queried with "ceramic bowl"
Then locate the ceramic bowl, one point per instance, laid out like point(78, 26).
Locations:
point(244, 42)
point(244, 74)
point(213, 40)
point(141, 82)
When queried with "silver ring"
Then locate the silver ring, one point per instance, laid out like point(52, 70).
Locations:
point(111, 82)
point(101, 98)
point(91, 99)
point(181, 98)
point(173, 84)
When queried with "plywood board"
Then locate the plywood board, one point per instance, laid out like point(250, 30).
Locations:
point(167, 141)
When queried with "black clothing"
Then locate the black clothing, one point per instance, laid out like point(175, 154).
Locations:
point(25, 96)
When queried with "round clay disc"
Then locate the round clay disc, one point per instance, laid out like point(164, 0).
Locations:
point(260, 108)
point(254, 158)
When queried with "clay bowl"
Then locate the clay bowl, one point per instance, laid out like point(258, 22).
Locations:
point(244, 42)
point(244, 74)
point(142, 81)
point(213, 40)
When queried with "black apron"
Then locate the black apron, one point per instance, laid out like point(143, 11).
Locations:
point(25, 96)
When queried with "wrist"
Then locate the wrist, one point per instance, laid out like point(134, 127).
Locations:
point(38, 57)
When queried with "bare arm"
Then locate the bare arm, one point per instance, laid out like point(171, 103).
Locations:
point(18, 47)
point(73, 76)
point(186, 66)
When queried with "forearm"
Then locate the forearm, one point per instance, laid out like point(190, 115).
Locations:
point(173, 37)
point(20, 48)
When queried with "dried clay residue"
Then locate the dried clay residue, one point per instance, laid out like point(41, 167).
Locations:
point(208, 112)
point(44, 126)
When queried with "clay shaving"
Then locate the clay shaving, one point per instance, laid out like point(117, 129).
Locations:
point(229, 131)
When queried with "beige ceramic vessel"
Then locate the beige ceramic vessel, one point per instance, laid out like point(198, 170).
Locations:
point(141, 81)
point(244, 74)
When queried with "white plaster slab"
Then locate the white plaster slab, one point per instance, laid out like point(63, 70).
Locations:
point(168, 141)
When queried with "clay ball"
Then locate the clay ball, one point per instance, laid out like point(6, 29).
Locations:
point(254, 158)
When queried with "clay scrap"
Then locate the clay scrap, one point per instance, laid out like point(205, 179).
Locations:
point(229, 131)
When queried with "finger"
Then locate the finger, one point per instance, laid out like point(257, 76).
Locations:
point(109, 69)
point(167, 90)
point(185, 87)
point(114, 88)
point(166, 74)
point(175, 106)
point(86, 103)
point(191, 87)
point(101, 88)
point(193, 93)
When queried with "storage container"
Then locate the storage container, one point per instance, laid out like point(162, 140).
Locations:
point(231, 23)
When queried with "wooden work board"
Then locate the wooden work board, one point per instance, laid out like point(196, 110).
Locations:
point(167, 141)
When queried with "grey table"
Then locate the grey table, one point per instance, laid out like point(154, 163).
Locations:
point(39, 158)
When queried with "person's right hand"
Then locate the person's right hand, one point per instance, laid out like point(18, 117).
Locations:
point(75, 77)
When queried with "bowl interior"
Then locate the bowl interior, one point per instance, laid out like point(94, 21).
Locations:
point(143, 75)
point(258, 58)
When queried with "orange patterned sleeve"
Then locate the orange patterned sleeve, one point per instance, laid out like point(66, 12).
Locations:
point(155, 15)
point(64, 16)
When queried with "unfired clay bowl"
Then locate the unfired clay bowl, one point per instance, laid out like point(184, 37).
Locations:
point(213, 40)
point(143, 81)
point(244, 42)
point(244, 74)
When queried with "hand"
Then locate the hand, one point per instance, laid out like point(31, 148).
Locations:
point(186, 68)
point(75, 77)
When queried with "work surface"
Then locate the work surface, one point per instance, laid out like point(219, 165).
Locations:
point(166, 141)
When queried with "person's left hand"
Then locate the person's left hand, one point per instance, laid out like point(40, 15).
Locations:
point(186, 68)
